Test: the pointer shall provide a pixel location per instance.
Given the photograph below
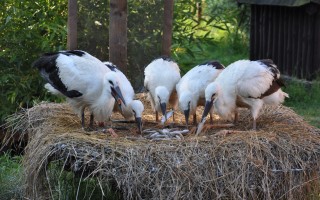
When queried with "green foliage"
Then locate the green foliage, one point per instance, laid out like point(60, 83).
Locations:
point(204, 33)
point(28, 29)
point(11, 182)
point(144, 37)
point(93, 27)
point(229, 16)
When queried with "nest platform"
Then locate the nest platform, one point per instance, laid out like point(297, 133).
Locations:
point(281, 160)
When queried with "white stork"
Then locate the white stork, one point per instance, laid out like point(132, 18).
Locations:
point(83, 79)
point(133, 108)
point(161, 77)
point(192, 85)
point(245, 83)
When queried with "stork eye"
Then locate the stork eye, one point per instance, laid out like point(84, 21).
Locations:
point(111, 82)
point(189, 103)
point(134, 112)
point(213, 95)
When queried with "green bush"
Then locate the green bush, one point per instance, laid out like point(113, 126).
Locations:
point(218, 32)
point(28, 29)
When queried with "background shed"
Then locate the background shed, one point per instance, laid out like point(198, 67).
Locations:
point(287, 32)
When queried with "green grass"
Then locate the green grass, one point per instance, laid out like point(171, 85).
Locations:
point(66, 185)
point(305, 100)
point(11, 177)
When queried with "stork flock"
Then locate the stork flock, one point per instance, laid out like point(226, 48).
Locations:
point(101, 87)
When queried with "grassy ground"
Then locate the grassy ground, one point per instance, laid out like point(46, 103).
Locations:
point(11, 182)
point(305, 100)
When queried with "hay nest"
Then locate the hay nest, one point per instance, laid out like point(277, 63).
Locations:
point(280, 160)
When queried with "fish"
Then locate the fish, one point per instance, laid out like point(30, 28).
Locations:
point(200, 126)
point(168, 115)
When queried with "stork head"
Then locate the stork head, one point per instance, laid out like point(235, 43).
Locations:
point(137, 109)
point(112, 82)
point(211, 94)
point(161, 98)
point(186, 104)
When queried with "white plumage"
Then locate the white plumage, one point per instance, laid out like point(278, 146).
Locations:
point(83, 79)
point(192, 85)
point(133, 108)
point(161, 77)
point(247, 84)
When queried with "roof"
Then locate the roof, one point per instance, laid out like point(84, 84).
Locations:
point(279, 2)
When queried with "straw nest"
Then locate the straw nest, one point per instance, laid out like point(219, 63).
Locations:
point(278, 161)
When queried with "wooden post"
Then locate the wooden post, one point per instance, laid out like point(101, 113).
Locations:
point(72, 25)
point(167, 27)
point(118, 34)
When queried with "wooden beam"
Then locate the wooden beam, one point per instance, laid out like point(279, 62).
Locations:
point(72, 25)
point(167, 27)
point(118, 34)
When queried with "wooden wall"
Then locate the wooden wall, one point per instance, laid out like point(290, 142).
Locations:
point(288, 35)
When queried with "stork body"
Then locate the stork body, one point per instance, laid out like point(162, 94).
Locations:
point(191, 87)
point(161, 77)
point(83, 80)
point(245, 83)
point(133, 108)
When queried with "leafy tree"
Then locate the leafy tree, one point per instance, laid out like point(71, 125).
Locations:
point(209, 29)
point(28, 29)
point(229, 16)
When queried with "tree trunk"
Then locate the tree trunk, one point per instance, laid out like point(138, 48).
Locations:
point(72, 25)
point(167, 27)
point(118, 34)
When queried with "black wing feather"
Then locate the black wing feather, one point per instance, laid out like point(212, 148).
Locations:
point(213, 63)
point(111, 66)
point(49, 71)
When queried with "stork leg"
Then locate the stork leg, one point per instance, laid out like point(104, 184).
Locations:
point(255, 110)
point(157, 116)
point(173, 117)
point(254, 127)
point(82, 118)
point(91, 121)
point(211, 119)
point(195, 119)
point(236, 117)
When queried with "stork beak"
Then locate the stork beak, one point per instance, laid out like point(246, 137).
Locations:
point(186, 115)
point(163, 107)
point(116, 93)
point(139, 123)
point(207, 108)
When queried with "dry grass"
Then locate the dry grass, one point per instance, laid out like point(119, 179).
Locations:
point(279, 161)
